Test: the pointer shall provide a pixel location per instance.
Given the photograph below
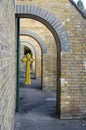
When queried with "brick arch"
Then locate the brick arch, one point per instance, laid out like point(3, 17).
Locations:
point(36, 37)
point(48, 19)
point(24, 43)
point(29, 42)
point(58, 31)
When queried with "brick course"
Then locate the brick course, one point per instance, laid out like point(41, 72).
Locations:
point(7, 64)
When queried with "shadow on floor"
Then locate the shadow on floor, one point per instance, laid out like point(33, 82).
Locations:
point(37, 110)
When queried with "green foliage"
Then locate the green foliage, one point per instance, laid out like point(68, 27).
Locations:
point(27, 50)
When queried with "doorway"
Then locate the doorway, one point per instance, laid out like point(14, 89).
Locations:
point(54, 33)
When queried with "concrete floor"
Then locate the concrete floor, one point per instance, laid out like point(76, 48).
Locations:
point(37, 110)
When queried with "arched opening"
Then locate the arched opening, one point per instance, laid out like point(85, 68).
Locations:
point(41, 44)
point(36, 37)
point(56, 29)
point(35, 53)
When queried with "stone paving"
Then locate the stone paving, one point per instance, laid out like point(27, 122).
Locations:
point(37, 110)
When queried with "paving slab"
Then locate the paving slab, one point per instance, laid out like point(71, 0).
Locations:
point(37, 110)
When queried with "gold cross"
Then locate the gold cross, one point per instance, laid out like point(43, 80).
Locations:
point(28, 60)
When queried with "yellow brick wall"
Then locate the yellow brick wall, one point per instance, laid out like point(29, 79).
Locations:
point(73, 62)
point(7, 65)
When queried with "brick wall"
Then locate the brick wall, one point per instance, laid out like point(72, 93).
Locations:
point(7, 64)
point(72, 67)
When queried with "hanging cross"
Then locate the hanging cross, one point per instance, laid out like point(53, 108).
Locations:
point(28, 60)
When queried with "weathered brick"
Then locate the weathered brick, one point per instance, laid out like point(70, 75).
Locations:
point(7, 64)
point(73, 66)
